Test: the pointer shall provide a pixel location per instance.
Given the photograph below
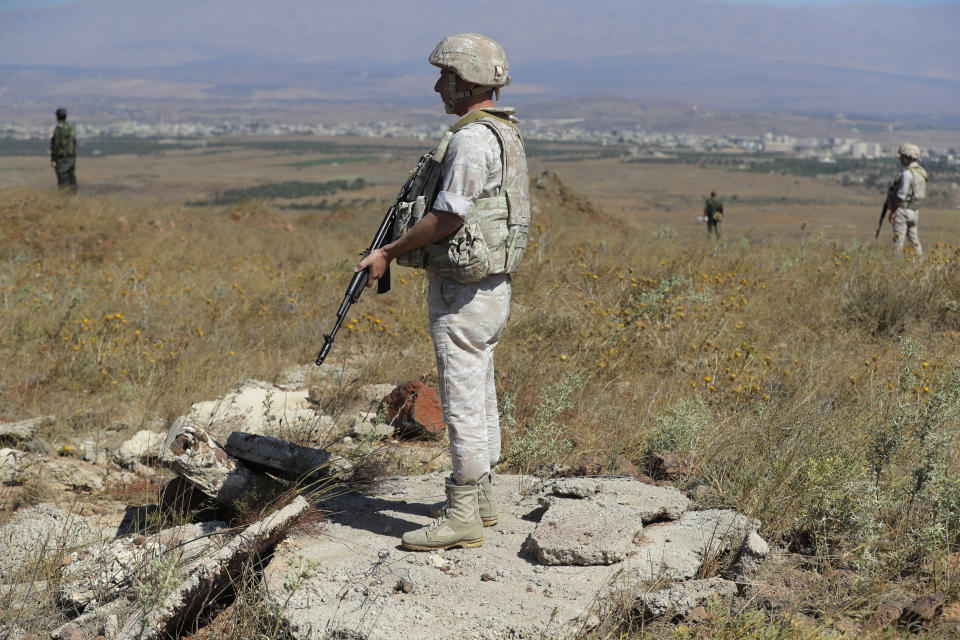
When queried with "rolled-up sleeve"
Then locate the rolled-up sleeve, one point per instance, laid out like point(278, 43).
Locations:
point(906, 181)
point(468, 163)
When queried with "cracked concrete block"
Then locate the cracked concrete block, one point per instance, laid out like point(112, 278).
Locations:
point(257, 407)
point(211, 576)
point(102, 572)
point(588, 531)
point(680, 598)
point(279, 456)
point(677, 550)
point(43, 527)
point(649, 501)
point(748, 558)
point(197, 457)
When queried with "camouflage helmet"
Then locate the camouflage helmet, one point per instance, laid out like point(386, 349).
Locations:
point(61, 114)
point(909, 150)
point(475, 58)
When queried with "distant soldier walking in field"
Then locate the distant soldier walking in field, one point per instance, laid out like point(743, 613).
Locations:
point(63, 153)
point(905, 196)
point(470, 240)
point(713, 211)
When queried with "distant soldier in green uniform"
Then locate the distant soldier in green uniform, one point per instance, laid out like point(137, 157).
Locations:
point(63, 153)
point(713, 211)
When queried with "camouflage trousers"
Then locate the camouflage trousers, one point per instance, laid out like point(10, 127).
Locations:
point(466, 321)
point(66, 170)
point(905, 227)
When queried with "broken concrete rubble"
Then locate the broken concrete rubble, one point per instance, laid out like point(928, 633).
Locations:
point(680, 598)
point(677, 550)
point(257, 407)
point(747, 559)
point(284, 458)
point(367, 425)
point(351, 587)
point(589, 531)
point(45, 528)
point(212, 576)
point(9, 461)
point(193, 454)
point(23, 430)
point(595, 521)
point(102, 572)
point(143, 447)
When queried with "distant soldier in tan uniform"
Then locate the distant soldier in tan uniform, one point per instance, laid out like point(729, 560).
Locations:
point(63, 153)
point(911, 189)
point(470, 241)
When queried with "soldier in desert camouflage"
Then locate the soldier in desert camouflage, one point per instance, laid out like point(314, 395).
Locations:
point(908, 192)
point(63, 153)
point(472, 238)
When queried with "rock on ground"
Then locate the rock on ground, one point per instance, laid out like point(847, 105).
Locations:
point(46, 528)
point(144, 446)
point(414, 409)
point(680, 598)
point(22, 430)
point(279, 456)
point(198, 458)
point(212, 576)
point(258, 407)
point(586, 531)
point(102, 572)
point(352, 580)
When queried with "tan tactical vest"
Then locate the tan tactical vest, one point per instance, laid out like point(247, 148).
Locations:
point(918, 186)
point(496, 236)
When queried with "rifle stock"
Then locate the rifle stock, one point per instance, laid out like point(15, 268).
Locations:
point(891, 194)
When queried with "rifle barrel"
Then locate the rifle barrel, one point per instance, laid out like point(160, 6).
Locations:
point(358, 282)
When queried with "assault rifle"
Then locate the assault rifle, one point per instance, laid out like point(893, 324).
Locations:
point(359, 281)
point(891, 194)
point(384, 234)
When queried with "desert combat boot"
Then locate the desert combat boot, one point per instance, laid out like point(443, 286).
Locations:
point(458, 526)
point(486, 503)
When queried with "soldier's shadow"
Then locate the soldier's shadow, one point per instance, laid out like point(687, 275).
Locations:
point(376, 515)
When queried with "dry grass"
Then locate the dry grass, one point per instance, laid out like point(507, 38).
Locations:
point(811, 385)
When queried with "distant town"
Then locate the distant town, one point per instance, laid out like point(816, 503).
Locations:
point(636, 141)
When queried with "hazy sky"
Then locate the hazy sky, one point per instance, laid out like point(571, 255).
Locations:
point(9, 5)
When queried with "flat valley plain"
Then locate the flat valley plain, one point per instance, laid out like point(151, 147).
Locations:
point(765, 195)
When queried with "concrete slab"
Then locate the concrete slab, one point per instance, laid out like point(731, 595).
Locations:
point(352, 580)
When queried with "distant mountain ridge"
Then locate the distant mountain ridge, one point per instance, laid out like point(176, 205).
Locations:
point(865, 57)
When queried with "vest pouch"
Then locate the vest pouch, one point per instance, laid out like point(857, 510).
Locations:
point(490, 215)
point(469, 255)
point(463, 256)
point(409, 214)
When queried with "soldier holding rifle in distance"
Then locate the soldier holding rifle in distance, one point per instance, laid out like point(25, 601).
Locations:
point(463, 216)
point(904, 198)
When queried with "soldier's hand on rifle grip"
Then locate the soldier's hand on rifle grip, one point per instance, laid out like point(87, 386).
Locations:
point(376, 263)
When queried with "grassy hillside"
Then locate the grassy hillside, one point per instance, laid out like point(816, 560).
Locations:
point(812, 385)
